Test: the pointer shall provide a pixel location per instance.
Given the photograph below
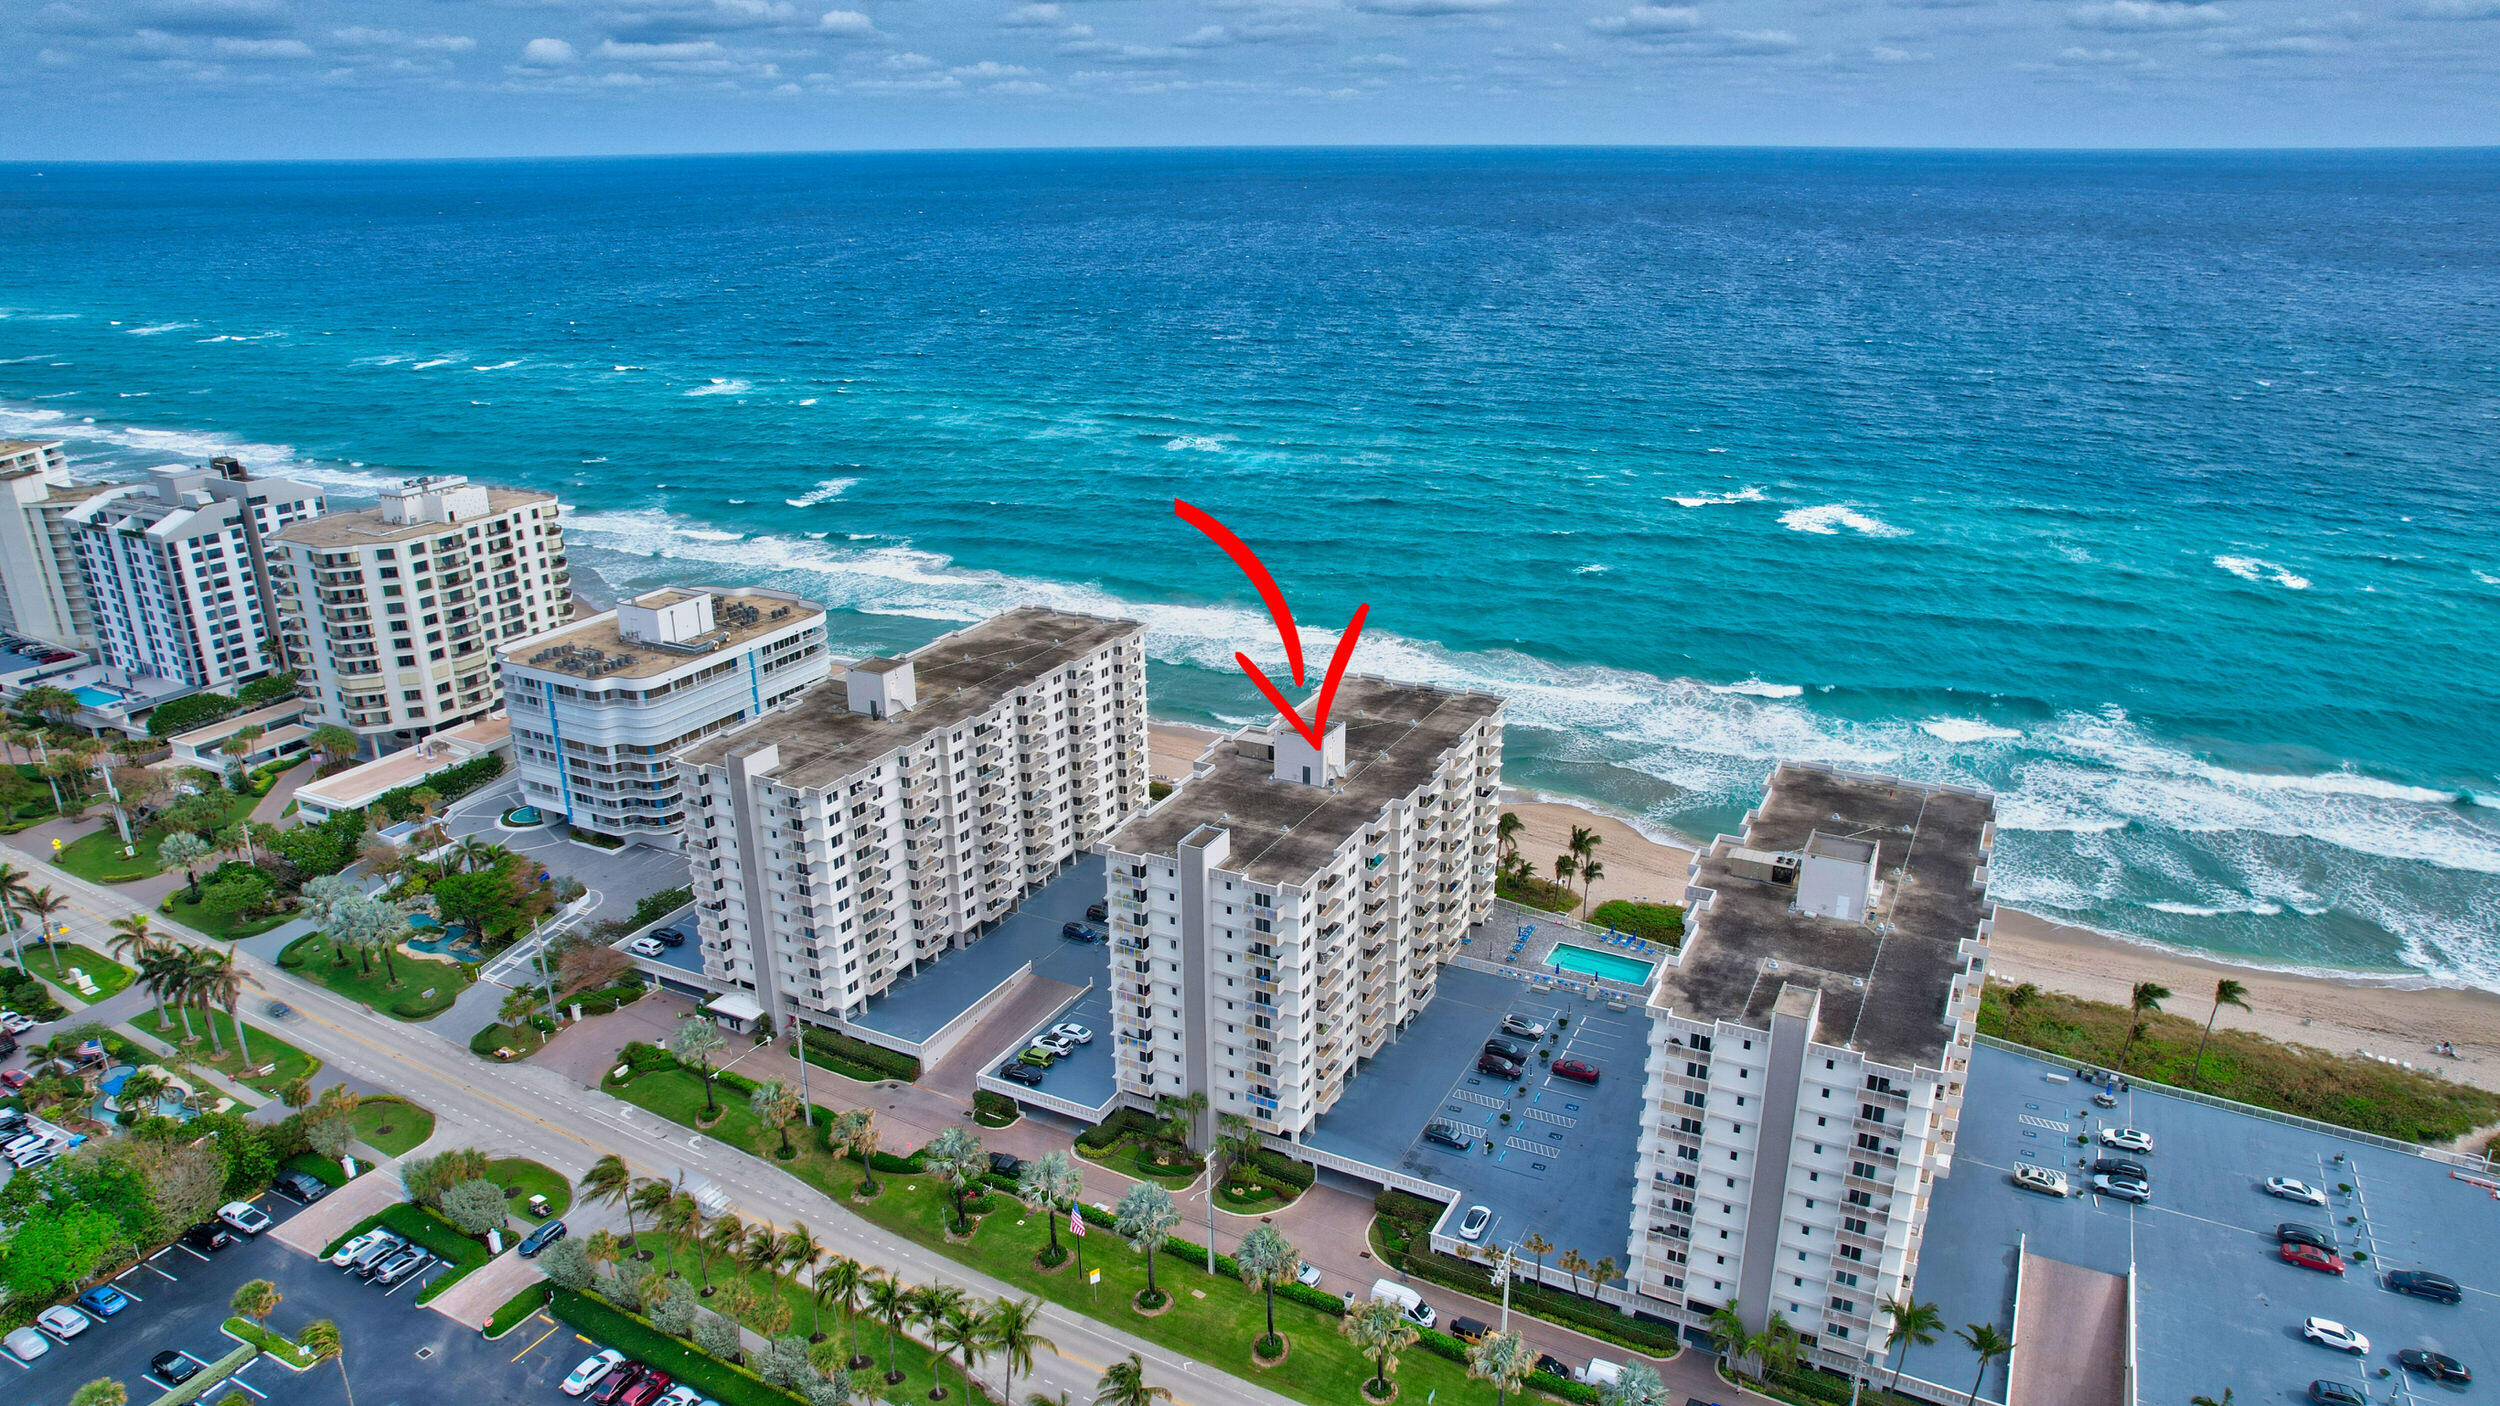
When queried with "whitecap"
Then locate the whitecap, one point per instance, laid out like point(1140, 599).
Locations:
point(823, 492)
point(1203, 444)
point(625, 368)
point(498, 366)
point(723, 385)
point(1967, 730)
point(160, 328)
point(1756, 688)
point(1595, 568)
point(811, 400)
point(1704, 500)
point(430, 365)
point(1826, 520)
point(2487, 578)
point(2259, 570)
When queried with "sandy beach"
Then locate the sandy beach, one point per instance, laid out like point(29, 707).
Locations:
point(2378, 1015)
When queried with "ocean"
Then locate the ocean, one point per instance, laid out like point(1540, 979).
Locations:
point(2155, 491)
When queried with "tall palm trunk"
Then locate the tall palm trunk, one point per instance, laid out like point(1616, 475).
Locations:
point(242, 1046)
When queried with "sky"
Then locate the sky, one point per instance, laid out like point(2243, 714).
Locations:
point(224, 79)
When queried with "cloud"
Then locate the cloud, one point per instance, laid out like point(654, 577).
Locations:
point(987, 68)
point(2455, 10)
point(1104, 51)
point(2080, 57)
point(908, 62)
point(1886, 53)
point(1429, 8)
point(262, 49)
point(1378, 61)
point(2147, 16)
point(1755, 41)
point(360, 37)
point(548, 53)
point(1649, 19)
point(232, 19)
point(1219, 36)
point(670, 23)
point(847, 24)
point(1033, 17)
point(2290, 46)
point(682, 51)
point(1018, 88)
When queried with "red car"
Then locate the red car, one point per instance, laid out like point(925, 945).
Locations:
point(2311, 1257)
point(644, 1392)
point(1579, 1069)
point(17, 1078)
point(624, 1379)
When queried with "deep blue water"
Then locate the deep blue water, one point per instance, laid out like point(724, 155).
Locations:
point(2154, 491)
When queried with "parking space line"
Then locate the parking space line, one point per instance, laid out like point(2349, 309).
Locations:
point(168, 1278)
point(237, 1380)
point(551, 1332)
point(192, 1253)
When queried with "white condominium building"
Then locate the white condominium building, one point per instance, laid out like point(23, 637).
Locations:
point(1280, 914)
point(175, 572)
point(40, 593)
point(392, 613)
point(599, 707)
point(1807, 1057)
point(896, 812)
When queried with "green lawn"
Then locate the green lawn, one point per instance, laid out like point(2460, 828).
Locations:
point(98, 858)
point(283, 1061)
point(179, 907)
point(598, 1321)
point(1217, 1328)
point(528, 1178)
point(53, 964)
point(365, 980)
point(392, 1126)
point(916, 1362)
point(269, 1341)
point(677, 1095)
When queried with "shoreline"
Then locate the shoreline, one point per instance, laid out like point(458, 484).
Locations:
point(2392, 1015)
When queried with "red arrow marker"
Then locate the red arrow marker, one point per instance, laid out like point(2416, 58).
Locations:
point(1317, 728)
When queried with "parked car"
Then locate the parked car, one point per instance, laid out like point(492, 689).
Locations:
point(1006, 1164)
point(2311, 1257)
point(2291, 1190)
point(385, 1246)
point(1496, 1066)
point(593, 1370)
point(1553, 1366)
point(303, 1188)
point(2423, 1284)
point(2326, 1332)
point(540, 1239)
point(1579, 1069)
point(617, 1383)
point(2127, 1140)
point(642, 1393)
point(671, 937)
point(208, 1237)
point(244, 1216)
point(2292, 1232)
point(26, 1344)
point(1522, 1027)
point(2438, 1366)
point(680, 1396)
point(346, 1254)
point(1058, 1046)
point(17, 1024)
point(16, 1079)
point(174, 1368)
point(1467, 1330)
point(2120, 1167)
point(2123, 1188)
point(2048, 1181)
point(1098, 911)
point(1307, 1276)
point(2325, 1393)
point(403, 1266)
point(1069, 1030)
point(1473, 1226)
point(63, 1321)
point(646, 947)
point(1511, 1050)
point(103, 1301)
point(1038, 1057)
point(35, 1157)
point(375, 1268)
point(1446, 1135)
point(1080, 932)
point(1018, 1072)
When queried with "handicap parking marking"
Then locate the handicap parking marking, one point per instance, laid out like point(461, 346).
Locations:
point(2050, 1124)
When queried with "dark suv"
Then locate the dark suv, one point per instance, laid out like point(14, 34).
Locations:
point(2292, 1232)
point(2423, 1284)
point(1496, 1066)
point(1445, 1135)
point(2121, 1167)
point(1511, 1050)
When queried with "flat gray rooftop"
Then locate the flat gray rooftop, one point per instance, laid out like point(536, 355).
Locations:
point(1883, 991)
point(960, 676)
point(1283, 832)
point(926, 1002)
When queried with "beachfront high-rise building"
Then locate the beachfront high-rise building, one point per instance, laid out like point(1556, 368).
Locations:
point(175, 573)
point(40, 593)
point(1807, 1056)
point(600, 706)
point(895, 812)
point(392, 613)
point(1285, 910)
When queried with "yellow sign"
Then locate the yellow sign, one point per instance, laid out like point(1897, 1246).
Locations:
point(1093, 1276)
point(56, 846)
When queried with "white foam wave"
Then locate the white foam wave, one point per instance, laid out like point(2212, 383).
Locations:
point(240, 337)
point(2258, 908)
point(723, 385)
point(1595, 568)
point(430, 365)
point(2487, 578)
point(1704, 500)
point(811, 400)
point(1967, 730)
point(159, 329)
point(1198, 443)
point(2259, 570)
point(824, 492)
point(1756, 688)
point(1826, 520)
point(498, 366)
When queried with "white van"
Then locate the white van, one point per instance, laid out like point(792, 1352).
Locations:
point(1417, 1311)
point(1600, 1372)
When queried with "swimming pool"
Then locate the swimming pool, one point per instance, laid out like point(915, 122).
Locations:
point(1613, 966)
point(96, 697)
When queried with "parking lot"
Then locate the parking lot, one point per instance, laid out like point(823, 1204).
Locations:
point(2215, 1305)
point(1561, 1167)
point(925, 1003)
point(398, 1354)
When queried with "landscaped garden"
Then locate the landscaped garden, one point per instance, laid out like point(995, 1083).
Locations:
point(391, 1125)
point(98, 857)
point(522, 1178)
point(283, 1063)
point(1140, 1145)
point(53, 964)
point(394, 982)
point(1656, 922)
point(210, 918)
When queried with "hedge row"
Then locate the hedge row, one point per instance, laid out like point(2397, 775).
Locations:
point(517, 1308)
point(1124, 1122)
point(1277, 1167)
point(840, 1050)
point(450, 784)
point(1413, 1218)
point(633, 1335)
point(28, 996)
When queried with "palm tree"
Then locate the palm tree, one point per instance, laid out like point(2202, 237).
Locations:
point(1179, 1112)
point(1537, 1247)
point(1124, 1383)
point(855, 1131)
point(131, 943)
point(2146, 998)
point(199, 969)
point(680, 1216)
point(2017, 1001)
point(722, 1236)
point(1377, 1328)
point(42, 905)
point(471, 854)
point(956, 1157)
point(761, 1254)
point(1564, 867)
point(963, 1331)
point(1013, 1326)
point(13, 893)
point(1591, 870)
point(649, 1199)
point(799, 1252)
point(220, 982)
point(841, 1282)
point(889, 1302)
point(2226, 993)
point(1728, 1333)
point(2223, 1400)
point(1046, 1182)
point(695, 1041)
point(1913, 1324)
point(603, 1249)
point(186, 852)
point(1986, 1342)
point(167, 970)
point(1266, 1259)
point(1145, 1219)
point(776, 1106)
point(1574, 1264)
point(609, 1183)
point(1775, 1347)
point(1506, 833)
point(320, 1339)
point(1502, 1359)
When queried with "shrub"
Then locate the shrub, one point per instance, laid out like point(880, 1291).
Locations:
point(1407, 1207)
point(994, 1106)
point(1277, 1167)
point(1124, 1122)
point(520, 1306)
point(1658, 922)
point(858, 1058)
point(451, 783)
point(194, 711)
point(267, 689)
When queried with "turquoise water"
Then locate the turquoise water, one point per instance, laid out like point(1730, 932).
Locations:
point(96, 697)
point(2152, 491)
point(1613, 966)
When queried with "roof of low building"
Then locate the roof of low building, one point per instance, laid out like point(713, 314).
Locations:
point(366, 527)
point(600, 647)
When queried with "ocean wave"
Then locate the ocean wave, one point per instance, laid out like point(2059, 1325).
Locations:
point(1966, 730)
point(1826, 520)
point(159, 329)
point(498, 366)
point(2260, 571)
point(2258, 908)
point(1704, 500)
point(430, 365)
point(1198, 443)
point(1756, 688)
point(240, 337)
point(824, 492)
point(723, 385)
point(1595, 568)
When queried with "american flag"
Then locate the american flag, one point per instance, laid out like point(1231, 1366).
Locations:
point(1076, 1222)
